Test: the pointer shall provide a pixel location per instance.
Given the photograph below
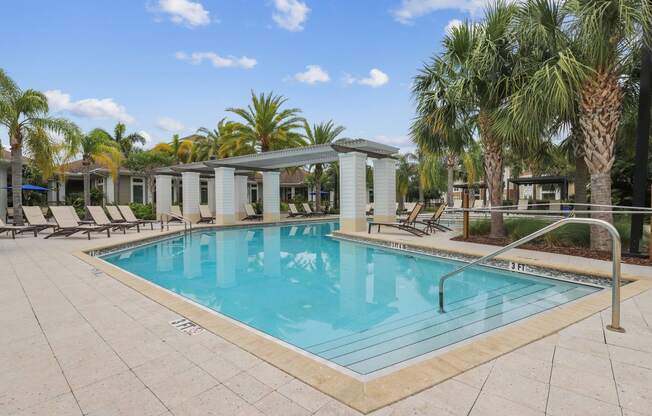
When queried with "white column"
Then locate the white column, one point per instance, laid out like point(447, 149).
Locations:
point(109, 190)
point(3, 192)
point(292, 193)
point(211, 194)
point(62, 191)
point(384, 190)
point(271, 196)
point(353, 185)
point(52, 186)
point(191, 195)
point(163, 195)
point(224, 185)
point(241, 196)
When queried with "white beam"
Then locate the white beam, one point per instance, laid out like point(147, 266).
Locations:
point(353, 185)
point(163, 195)
point(384, 190)
point(271, 196)
point(191, 195)
point(224, 185)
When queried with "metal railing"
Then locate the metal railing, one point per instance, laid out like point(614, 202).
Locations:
point(615, 258)
point(186, 222)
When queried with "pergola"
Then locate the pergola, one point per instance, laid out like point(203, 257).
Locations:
point(543, 180)
point(227, 181)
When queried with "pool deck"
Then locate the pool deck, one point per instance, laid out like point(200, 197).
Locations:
point(77, 341)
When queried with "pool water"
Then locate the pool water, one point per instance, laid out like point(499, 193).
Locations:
point(361, 307)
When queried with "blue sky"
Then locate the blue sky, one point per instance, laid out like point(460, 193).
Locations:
point(172, 66)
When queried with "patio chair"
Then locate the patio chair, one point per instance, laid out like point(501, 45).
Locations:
point(99, 218)
point(407, 224)
point(73, 211)
point(309, 212)
point(432, 223)
point(129, 216)
point(251, 213)
point(16, 229)
point(205, 215)
point(114, 213)
point(35, 218)
point(293, 211)
point(67, 225)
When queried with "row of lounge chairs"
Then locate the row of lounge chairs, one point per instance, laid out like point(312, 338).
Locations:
point(307, 211)
point(67, 222)
point(412, 221)
point(207, 217)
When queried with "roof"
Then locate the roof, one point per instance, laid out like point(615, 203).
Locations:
point(539, 180)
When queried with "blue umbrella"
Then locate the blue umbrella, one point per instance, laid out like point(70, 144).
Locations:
point(30, 188)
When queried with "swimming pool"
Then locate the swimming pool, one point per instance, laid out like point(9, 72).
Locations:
point(361, 307)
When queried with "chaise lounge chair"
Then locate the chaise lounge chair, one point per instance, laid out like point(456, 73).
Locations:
point(309, 212)
point(16, 229)
point(432, 223)
point(251, 213)
point(129, 216)
point(100, 218)
point(205, 215)
point(67, 225)
point(294, 212)
point(35, 218)
point(407, 224)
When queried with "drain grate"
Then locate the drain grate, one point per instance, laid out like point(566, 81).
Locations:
point(187, 326)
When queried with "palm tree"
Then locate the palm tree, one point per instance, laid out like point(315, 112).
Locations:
point(181, 152)
point(404, 174)
point(266, 126)
point(24, 113)
point(210, 143)
point(322, 133)
point(94, 147)
point(579, 69)
point(125, 142)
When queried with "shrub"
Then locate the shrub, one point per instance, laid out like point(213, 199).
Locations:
point(143, 211)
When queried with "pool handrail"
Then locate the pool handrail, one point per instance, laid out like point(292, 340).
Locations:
point(186, 222)
point(615, 259)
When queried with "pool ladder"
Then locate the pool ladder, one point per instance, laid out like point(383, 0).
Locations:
point(187, 224)
point(615, 260)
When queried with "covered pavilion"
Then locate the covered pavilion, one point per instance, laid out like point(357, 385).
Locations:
point(227, 182)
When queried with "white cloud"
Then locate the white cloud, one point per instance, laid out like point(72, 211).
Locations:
point(411, 9)
point(88, 107)
point(216, 60)
point(453, 24)
point(290, 14)
point(169, 124)
point(376, 78)
point(312, 75)
point(146, 136)
point(184, 12)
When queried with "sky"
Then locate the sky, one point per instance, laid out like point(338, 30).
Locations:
point(172, 66)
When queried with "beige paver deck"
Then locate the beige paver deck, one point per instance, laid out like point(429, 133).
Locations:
point(75, 342)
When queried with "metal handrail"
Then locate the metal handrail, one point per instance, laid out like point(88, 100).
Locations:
point(615, 259)
point(186, 222)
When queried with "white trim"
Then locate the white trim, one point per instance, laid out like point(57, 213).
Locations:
point(131, 188)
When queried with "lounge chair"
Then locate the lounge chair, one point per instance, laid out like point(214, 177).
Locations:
point(293, 211)
point(432, 223)
point(205, 215)
point(309, 212)
point(407, 224)
point(16, 229)
point(114, 214)
point(73, 211)
point(99, 217)
point(67, 225)
point(129, 216)
point(369, 210)
point(35, 218)
point(251, 213)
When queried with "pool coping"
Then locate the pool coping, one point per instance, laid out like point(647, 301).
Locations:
point(365, 396)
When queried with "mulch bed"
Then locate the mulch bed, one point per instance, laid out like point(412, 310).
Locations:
point(571, 251)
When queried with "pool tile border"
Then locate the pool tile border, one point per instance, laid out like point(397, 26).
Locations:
point(387, 389)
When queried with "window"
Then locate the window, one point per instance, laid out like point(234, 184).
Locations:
point(138, 190)
point(203, 195)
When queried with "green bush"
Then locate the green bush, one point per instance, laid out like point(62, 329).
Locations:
point(143, 211)
point(97, 197)
point(76, 199)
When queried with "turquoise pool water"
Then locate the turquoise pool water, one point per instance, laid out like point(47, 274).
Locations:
point(358, 306)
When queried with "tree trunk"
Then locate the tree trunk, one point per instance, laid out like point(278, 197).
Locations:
point(318, 172)
point(17, 180)
point(420, 183)
point(451, 179)
point(600, 110)
point(581, 178)
point(493, 166)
